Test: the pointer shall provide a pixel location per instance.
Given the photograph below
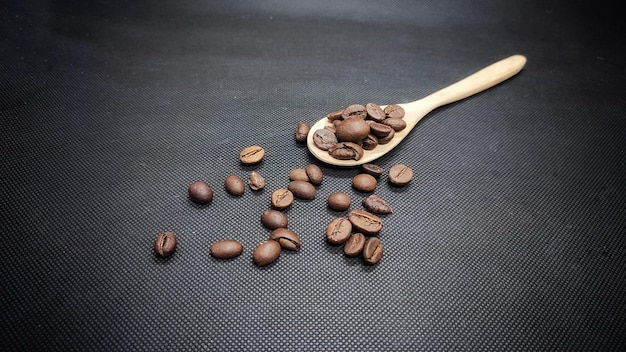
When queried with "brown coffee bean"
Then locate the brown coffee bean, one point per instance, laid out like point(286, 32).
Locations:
point(316, 176)
point(354, 245)
point(324, 139)
point(226, 249)
point(234, 185)
point(400, 175)
point(165, 244)
point(335, 115)
point(375, 112)
point(266, 253)
point(394, 111)
point(397, 124)
point(302, 189)
point(354, 110)
point(281, 199)
point(387, 139)
point(252, 155)
point(256, 181)
point(372, 169)
point(380, 130)
point(346, 151)
point(200, 192)
point(286, 238)
point(370, 142)
point(298, 175)
point(273, 219)
point(352, 130)
point(338, 201)
point(338, 231)
point(372, 250)
point(376, 204)
point(364, 183)
point(302, 131)
point(365, 222)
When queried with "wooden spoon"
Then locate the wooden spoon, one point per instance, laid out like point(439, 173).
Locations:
point(414, 111)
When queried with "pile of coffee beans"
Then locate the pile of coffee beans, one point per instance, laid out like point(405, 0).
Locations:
point(357, 128)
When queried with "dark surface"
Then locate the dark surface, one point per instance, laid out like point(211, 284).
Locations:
point(510, 237)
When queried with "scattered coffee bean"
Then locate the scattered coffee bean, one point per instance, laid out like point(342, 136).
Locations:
point(273, 219)
point(266, 253)
point(256, 181)
point(338, 231)
point(346, 151)
point(286, 238)
point(252, 155)
point(354, 245)
point(302, 131)
point(394, 111)
point(200, 192)
point(234, 185)
point(365, 222)
point(298, 175)
point(281, 199)
point(364, 182)
point(315, 174)
point(400, 175)
point(324, 139)
point(352, 130)
point(397, 124)
point(226, 249)
point(375, 112)
point(372, 250)
point(302, 189)
point(339, 201)
point(372, 169)
point(376, 204)
point(165, 244)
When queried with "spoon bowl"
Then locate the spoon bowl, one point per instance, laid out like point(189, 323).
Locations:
point(416, 110)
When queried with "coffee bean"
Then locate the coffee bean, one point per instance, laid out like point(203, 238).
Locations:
point(256, 181)
point(372, 250)
point(376, 204)
point(252, 155)
point(266, 253)
point(281, 199)
point(380, 130)
point(315, 174)
point(302, 189)
point(200, 192)
point(354, 110)
point(302, 131)
point(165, 244)
point(234, 185)
point(375, 112)
point(352, 130)
point(370, 142)
point(365, 222)
point(298, 175)
point(338, 231)
point(388, 138)
point(364, 183)
point(324, 139)
point(335, 115)
point(372, 169)
point(286, 238)
point(400, 175)
point(397, 124)
point(226, 249)
point(273, 219)
point(346, 151)
point(394, 111)
point(339, 201)
point(354, 245)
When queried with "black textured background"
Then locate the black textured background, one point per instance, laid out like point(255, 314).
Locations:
point(510, 237)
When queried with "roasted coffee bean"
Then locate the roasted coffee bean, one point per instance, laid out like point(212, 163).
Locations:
point(354, 245)
point(346, 151)
point(256, 181)
point(266, 253)
point(354, 110)
point(252, 155)
point(338, 201)
point(226, 249)
point(298, 175)
point(331, 128)
point(380, 130)
point(352, 130)
point(394, 111)
point(375, 112)
point(302, 131)
point(281, 199)
point(324, 139)
point(273, 219)
point(302, 189)
point(316, 176)
point(372, 169)
point(200, 192)
point(387, 139)
point(370, 142)
point(364, 183)
point(397, 124)
point(338, 231)
point(286, 238)
point(365, 222)
point(376, 204)
point(165, 244)
point(235, 185)
point(335, 115)
point(372, 250)
point(400, 175)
